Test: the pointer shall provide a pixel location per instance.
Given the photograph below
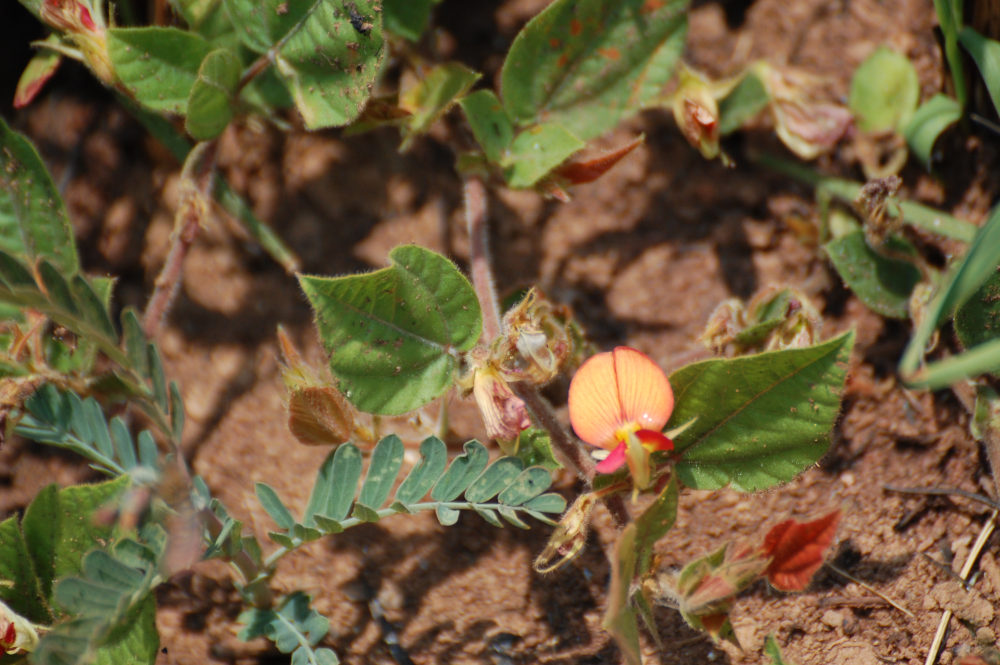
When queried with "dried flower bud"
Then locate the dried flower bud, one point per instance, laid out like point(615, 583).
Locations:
point(569, 537)
point(534, 343)
point(696, 112)
point(504, 413)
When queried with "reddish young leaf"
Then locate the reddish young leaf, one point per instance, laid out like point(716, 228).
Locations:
point(797, 550)
point(589, 170)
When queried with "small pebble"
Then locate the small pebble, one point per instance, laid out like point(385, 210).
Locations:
point(833, 619)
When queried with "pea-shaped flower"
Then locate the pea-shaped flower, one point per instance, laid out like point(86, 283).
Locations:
point(620, 400)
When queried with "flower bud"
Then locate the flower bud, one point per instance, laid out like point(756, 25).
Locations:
point(696, 112)
point(17, 634)
point(76, 21)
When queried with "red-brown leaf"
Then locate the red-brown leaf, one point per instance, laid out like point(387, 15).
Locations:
point(797, 550)
point(580, 172)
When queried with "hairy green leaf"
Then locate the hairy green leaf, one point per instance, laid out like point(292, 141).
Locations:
point(586, 64)
point(882, 282)
point(489, 122)
point(536, 151)
point(210, 104)
point(394, 334)
point(158, 66)
point(653, 524)
point(330, 58)
point(620, 617)
point(435, 93)
point(758, 420)
point(33, 220)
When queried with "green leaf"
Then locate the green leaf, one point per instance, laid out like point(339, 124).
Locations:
point(744, 102)
point(528, 484)
point(336, 484)
point(56, 287)
point(158, 66)
point(978, 319)
point(62, 530)
point(759, 420)
point(885, 91)
point(884, 284)
point(653, 524)
point(330, 60)
point(620, 617)
point(463, 470)
point(23, 589)
point(139, 643)
point(134, 340)
point(587, 64)
point(949, 14)
point(534, 448)
point(536, 151)
point(433, 458)
point(933, 117)
point(33, 220)
point(546, 503)
point(963, 280)
point(274, 506)
point(122, 439)
point(394, 334)
point(263, 23)
point(986, 53)
point(489, 122)
point(407, 18)
point(495, 478)
point(385, 462)
point(210, 104)
point(92, 307)
point(293, 626)
point(435, 93)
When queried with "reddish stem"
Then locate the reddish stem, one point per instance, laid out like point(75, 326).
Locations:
point(185, 230)
point(479, 256)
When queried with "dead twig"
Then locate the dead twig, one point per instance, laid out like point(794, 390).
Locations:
point(868, 587)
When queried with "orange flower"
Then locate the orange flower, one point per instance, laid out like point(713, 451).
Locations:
point(620, 400)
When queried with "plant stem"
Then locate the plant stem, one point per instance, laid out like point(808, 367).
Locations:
point(479, 255)
point(193, 205)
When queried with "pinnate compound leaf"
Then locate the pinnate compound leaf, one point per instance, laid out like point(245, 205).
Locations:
point(210, 104)
point(489, 122)
point(33, 220)
point(758, 420)
point(494, 479)
point(884, 91)
point(393, 334)
point(928, 123)
point(293, 626)
point(463, 470)
point(383, 467)
point(986, 53)
point(797, 550)
point(435, 93)
point(537, 151)
point(330, 58)
point(433, 459)
point(158, 66)
point(882, 283)
point(529, 483)
point(587, 64)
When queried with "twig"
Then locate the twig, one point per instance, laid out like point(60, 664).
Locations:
point(186, 225)
point(479, 255)
point(945, 491)
point(868, 587)
point(977, 547)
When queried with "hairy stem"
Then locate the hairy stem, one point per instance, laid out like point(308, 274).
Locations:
point(193, 206)
point(479, 255)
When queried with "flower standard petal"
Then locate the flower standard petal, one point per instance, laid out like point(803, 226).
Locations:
point(643, 390)
point(594, 408)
